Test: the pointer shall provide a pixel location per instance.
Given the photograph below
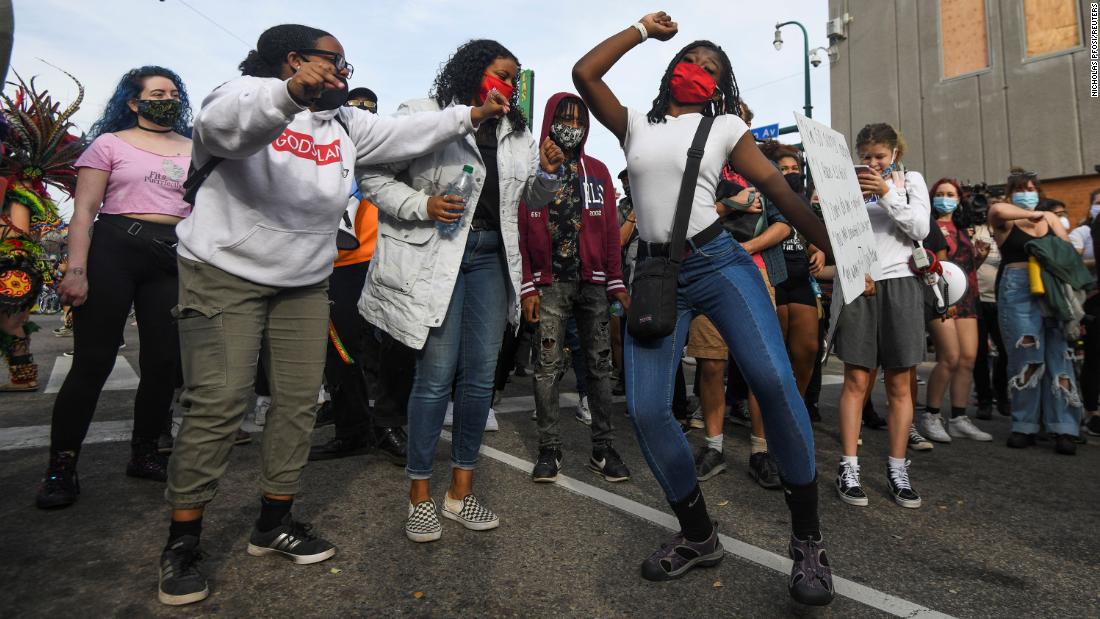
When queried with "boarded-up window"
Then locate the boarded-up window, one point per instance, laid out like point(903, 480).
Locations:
point(964, 37)
point(1051, 26)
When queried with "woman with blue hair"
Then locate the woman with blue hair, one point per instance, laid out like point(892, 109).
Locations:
point(122, 252)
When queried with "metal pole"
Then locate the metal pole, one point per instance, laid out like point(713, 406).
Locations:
point(805, 62)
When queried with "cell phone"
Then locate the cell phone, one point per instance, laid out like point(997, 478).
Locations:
point(864, 168)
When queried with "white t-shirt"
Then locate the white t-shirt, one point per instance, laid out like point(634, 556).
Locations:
point(1081, 237)
point(656, 155)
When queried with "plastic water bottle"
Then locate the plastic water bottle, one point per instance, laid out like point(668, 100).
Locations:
point(462, 186)
point(616, 308)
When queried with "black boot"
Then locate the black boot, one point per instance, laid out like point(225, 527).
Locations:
point(392, 444)
point(61, 485)
point(146, 462)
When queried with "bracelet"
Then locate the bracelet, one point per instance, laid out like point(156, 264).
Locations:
point(641, 30)
point(550, 176)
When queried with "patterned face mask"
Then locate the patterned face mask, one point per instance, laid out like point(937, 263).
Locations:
point(566, 136)
point(163, 112)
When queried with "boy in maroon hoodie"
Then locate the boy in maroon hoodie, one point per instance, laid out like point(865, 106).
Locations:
point(572, 267)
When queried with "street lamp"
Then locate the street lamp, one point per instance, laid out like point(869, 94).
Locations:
point(778, 43)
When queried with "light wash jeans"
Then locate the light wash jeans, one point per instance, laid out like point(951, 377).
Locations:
point(462, 352)
point(1034, 342)
point(720, 281)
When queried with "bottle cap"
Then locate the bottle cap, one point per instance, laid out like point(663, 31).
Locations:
point(468, 168)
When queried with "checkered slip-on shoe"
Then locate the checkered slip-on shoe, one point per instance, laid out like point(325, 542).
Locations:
point(470, 513)
point(423, 524)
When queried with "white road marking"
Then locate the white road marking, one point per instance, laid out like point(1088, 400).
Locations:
point(122, 378)
point(860, 593)
point(28, 437)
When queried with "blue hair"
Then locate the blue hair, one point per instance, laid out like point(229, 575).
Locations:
point(118, 115)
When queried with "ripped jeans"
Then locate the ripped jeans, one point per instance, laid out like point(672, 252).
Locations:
point(588, 304)
point(1040, 362)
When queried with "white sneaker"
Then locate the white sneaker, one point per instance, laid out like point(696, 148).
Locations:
point(491, 422)
point(263, 404)
point(962, 427)
point(932, 426)
point(584, 415)
point(449, 418)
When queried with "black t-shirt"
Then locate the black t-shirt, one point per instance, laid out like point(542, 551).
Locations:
point(934, 242)
point(488, 203)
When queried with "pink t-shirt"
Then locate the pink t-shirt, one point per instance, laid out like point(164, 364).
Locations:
point(140, 181)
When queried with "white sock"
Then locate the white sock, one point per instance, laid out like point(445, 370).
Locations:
point(715, 443)
point(853, 460)
point(896, 463)
point(759, 445)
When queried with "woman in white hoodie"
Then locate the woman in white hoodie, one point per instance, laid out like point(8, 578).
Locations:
point(274, 149)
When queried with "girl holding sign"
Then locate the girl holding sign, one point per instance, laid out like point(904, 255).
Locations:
point(717, 279)
point(885, 326)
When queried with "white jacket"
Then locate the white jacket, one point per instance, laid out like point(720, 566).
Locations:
point(900, 217)
point(270, 211)
point(413, 272)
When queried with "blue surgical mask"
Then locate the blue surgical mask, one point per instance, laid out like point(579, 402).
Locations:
point(1094, 210)
point(945, 205)
point(1026, 199)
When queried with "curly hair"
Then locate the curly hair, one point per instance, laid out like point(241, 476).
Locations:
point(273, 46)
point(730, 102)
point(459, 79)
point(118, 115)
point(881, 133)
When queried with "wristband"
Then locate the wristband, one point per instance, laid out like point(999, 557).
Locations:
point(550, 176)
point(641, 30)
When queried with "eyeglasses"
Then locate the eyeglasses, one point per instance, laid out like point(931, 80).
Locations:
point(337, 60)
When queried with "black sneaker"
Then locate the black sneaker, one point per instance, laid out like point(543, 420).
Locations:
point(339, 447)
point(871, 418)
point(1019, 440)
point(61, 485)
point(242, 437)
point(1092, 425)
point(165, 442)
point(392, 444)
point(147, 463)
point(903, 492)
point(708, 463)
point(985, 410)
point(738, 413)
point(763, 470)
point(811, 580)
point(677, 556)
point(847, 485)
point(181, 582)
point(292, 539)
point(1064, 444)
point(606, 461)
point(547, 466)
point(325, 416)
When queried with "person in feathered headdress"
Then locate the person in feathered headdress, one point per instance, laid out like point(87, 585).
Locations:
point(38, 152)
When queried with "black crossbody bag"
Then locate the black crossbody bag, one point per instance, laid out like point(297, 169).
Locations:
point(652, 313)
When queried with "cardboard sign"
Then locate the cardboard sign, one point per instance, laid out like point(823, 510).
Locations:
point(842, 205)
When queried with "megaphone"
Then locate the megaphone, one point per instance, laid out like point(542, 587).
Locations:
point(956, 280)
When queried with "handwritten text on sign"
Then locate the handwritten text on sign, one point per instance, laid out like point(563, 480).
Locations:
point(841, 204)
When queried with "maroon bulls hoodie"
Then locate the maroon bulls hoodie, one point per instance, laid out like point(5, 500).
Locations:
point(601, 262)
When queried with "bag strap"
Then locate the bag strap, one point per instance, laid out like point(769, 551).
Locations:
point(687, 190)
point(196, 177)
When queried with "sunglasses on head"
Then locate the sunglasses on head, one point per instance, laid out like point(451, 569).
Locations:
point(1028, 175)
point(337, 60)
point(369, 106)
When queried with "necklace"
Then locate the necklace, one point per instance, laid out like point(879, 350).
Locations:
point(139, 126)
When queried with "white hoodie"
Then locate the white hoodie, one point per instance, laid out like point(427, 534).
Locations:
point(270, 211)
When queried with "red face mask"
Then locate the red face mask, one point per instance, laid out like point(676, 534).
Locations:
point(490, 82)
point(690, 83)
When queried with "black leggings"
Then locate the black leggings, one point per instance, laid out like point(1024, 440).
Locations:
point(997, 389)
point(126, 265)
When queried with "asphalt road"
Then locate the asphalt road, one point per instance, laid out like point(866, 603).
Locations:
point(1001, 533)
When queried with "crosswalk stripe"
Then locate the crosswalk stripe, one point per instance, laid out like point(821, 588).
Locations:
point(122, 378)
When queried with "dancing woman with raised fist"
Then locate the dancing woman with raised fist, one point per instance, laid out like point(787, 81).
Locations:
point(255, 256)
point(717, 279)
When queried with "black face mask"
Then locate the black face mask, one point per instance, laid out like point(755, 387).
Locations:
point(331, 99)
point(796, 182)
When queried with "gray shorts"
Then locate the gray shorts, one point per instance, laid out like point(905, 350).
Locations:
point(885, 330)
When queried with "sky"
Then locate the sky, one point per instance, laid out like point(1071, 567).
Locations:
point(397, 47)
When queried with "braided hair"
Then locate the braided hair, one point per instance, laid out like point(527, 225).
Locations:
point(459, 79)
point(273, 46)
point(730, 103)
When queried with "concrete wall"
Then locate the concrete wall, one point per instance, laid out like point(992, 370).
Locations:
point(1032, 113)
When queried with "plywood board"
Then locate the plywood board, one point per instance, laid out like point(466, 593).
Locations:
point(1051, 26)
point(964, 37)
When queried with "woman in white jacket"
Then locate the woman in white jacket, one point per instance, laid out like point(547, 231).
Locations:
point(449, 296)
point(254, 260)
point(885, 326)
